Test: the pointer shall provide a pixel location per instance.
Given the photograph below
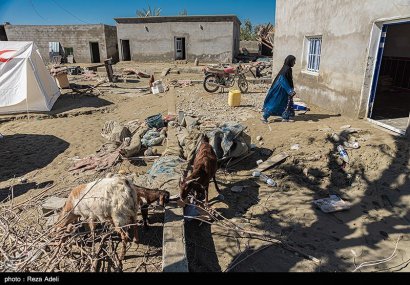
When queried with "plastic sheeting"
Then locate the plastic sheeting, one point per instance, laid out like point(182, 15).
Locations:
point(229, 141)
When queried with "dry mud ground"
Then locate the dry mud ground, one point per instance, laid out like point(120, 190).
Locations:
point(376, 182)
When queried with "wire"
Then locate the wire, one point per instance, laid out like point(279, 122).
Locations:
point(68, 12)
point(35, 10)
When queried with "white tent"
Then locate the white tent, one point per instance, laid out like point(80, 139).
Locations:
point(25, 83)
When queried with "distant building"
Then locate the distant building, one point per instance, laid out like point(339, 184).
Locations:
point(87, 43)
point(208, 38)
point(353, 57)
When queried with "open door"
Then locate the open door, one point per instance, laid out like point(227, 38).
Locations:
point(390, 97)
point(180, 53)
point(95, 52)
point(126, 51)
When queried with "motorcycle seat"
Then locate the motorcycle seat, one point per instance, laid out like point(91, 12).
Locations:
point(229, 70)
point(215, 70)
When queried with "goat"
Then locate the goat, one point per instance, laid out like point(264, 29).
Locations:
point(204, 168)
point(110, 199)
point(148, 196)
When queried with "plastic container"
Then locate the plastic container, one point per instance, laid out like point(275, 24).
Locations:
point(234, 99)
point(264, 178)
point(157, 87)
point(343, 154)
point(155, 121)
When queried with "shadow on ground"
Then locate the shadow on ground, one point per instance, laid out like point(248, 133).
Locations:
point(73, 101)
point(24, 153)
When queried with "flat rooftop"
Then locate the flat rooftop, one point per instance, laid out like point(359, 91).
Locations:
point(161, 19)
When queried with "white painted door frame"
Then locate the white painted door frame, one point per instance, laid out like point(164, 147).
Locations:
point(376, 48)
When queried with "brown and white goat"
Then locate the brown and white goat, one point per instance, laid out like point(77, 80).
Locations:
point(148, 196)
point(204, 169)
point(111, 200)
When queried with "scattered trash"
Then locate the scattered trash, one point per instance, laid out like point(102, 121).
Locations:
point(259, 138)
point(155, 121)
point(332, 204)
point(152, 137)
point(338, 138)
point(261, 143)
point(23, 180)
point(353, 145)
point(343, 154)
point(157, 87)
point(264, 178)
point(259, 162)
point(295, 147)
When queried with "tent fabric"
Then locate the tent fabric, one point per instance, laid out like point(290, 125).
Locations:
point(25, 83)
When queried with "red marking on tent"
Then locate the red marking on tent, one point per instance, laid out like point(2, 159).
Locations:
point(2, 59)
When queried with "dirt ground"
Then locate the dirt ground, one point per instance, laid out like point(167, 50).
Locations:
point(39, 150)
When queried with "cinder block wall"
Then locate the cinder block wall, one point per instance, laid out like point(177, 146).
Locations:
point(214, 42)
point(77, 37)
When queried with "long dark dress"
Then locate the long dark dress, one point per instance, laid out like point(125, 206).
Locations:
point(279, 101)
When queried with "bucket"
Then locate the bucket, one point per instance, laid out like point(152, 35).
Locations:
point(155, 121)
point(234, 99)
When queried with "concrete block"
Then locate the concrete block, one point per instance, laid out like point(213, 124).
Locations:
point(174, 258)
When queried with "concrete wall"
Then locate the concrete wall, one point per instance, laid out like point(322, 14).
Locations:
point(251, 46)
point(77, 37)
point(213, 43)
point(398, 41)
point(3, 36)
point(350, 31)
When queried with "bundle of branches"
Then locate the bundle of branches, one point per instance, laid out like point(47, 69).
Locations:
point(266, 34)
point(28, 245)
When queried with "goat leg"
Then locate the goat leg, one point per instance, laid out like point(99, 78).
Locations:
point(144, 213)
point(124, 240)
point(216, 185)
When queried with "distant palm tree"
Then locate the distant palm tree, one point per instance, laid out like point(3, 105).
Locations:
point(183, 13)
point(148, 12)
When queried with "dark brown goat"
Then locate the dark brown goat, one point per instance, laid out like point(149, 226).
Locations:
point(204, 169)
point(148, 196)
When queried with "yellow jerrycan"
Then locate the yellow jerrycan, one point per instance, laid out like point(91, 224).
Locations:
point(234, 99)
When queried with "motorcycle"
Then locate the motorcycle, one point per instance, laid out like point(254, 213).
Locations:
point(225, 77)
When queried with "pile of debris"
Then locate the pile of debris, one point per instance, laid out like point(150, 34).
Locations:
point(266, 34)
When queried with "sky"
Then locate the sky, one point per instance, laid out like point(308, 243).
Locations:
point(62, 12)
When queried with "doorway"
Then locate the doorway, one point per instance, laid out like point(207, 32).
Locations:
point(180, 53)
point(125, 49)
point(95, 52)
point(390, 97)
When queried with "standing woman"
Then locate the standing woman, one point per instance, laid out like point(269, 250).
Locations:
point(279, 100)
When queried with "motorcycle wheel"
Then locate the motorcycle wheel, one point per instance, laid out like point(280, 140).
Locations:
point(243, 85)
point(210, 83)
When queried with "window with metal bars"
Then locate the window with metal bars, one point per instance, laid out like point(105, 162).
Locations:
point(314, 53)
